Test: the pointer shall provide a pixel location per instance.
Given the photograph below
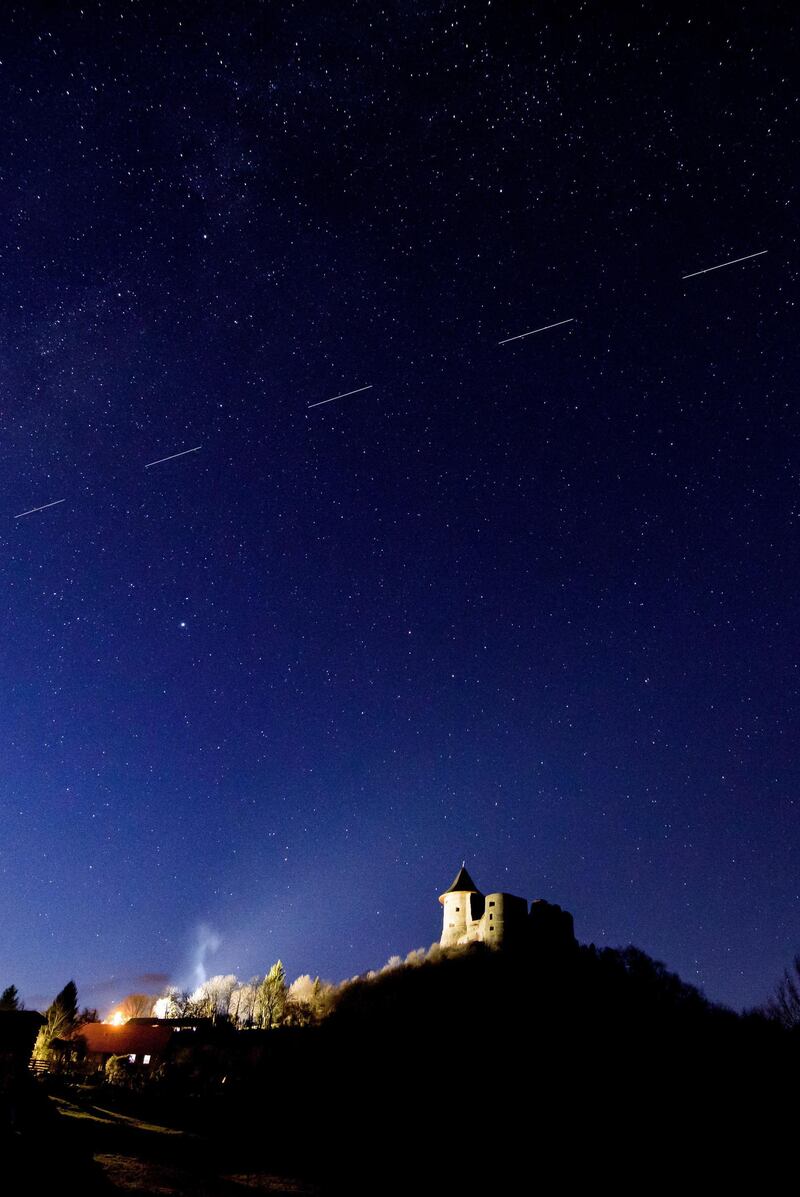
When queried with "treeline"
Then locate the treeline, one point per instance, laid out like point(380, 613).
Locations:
point(263, 1002)
point(270, 1001)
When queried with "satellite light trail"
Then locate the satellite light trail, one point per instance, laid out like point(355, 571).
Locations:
point(357, 391)
point(43, 507)
point(544, 328)
point(172, 456)
point(732, 262)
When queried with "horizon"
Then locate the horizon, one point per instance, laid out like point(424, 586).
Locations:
point(208, 943)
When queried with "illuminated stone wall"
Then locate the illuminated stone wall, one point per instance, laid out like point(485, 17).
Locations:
point(500, 920)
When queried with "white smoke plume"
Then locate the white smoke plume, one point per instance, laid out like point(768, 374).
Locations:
point(207, 941)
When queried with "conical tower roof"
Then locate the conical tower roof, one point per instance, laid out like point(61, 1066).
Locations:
point(463, 884)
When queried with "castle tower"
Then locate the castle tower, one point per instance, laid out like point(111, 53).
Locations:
point(460, 914)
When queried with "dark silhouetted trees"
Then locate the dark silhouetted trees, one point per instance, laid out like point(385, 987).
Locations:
point(9, 999)
point(784, 1004)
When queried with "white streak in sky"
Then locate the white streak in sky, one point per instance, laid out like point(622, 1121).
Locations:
point(44, 507)
point(344, 396)
point(544, 328)
point(732, 262)
point(207, 941)
point(172, 456)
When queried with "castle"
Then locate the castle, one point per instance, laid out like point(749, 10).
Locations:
point(500, 920)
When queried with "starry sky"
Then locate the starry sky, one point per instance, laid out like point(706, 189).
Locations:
point(532, 605)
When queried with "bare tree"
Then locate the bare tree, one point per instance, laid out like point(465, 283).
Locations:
point(174, 1003)
point(243, 1002)
point(784, 1004)
point(136, 1005)
point(215, 994)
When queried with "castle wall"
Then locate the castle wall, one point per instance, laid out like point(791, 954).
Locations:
point(551, 926)
point(501, 919)
point(504, 920)
point(454, 922)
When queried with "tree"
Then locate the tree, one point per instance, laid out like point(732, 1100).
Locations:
point(215, 994)
point(298, 1001)
point(307, 1001)
point(322, 998)
point(62, 1014)
point(61, 1019)
point(171, 1004)
point(178, 1003)
point(784, 1004)
point(9, 999)
point(120, 1071)
point(271, 1000)
point(243, 1002)
point(136, 1005)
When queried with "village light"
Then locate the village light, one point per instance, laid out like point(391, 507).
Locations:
point(117, 1018)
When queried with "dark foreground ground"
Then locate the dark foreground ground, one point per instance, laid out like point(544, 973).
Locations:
point(92, 1141)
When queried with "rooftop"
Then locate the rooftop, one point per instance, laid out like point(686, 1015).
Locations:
point(102, 1038)
point(463, 884)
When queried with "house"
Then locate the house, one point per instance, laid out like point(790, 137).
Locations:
point(144, 1045)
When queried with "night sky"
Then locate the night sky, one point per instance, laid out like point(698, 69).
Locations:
point(531, 605)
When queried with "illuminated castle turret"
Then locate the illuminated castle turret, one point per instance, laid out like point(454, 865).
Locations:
point(499, 920)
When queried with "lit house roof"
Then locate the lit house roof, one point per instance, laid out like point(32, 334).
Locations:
point(104, 1039)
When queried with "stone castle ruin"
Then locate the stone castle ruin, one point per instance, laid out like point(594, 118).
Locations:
point(500, 920)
